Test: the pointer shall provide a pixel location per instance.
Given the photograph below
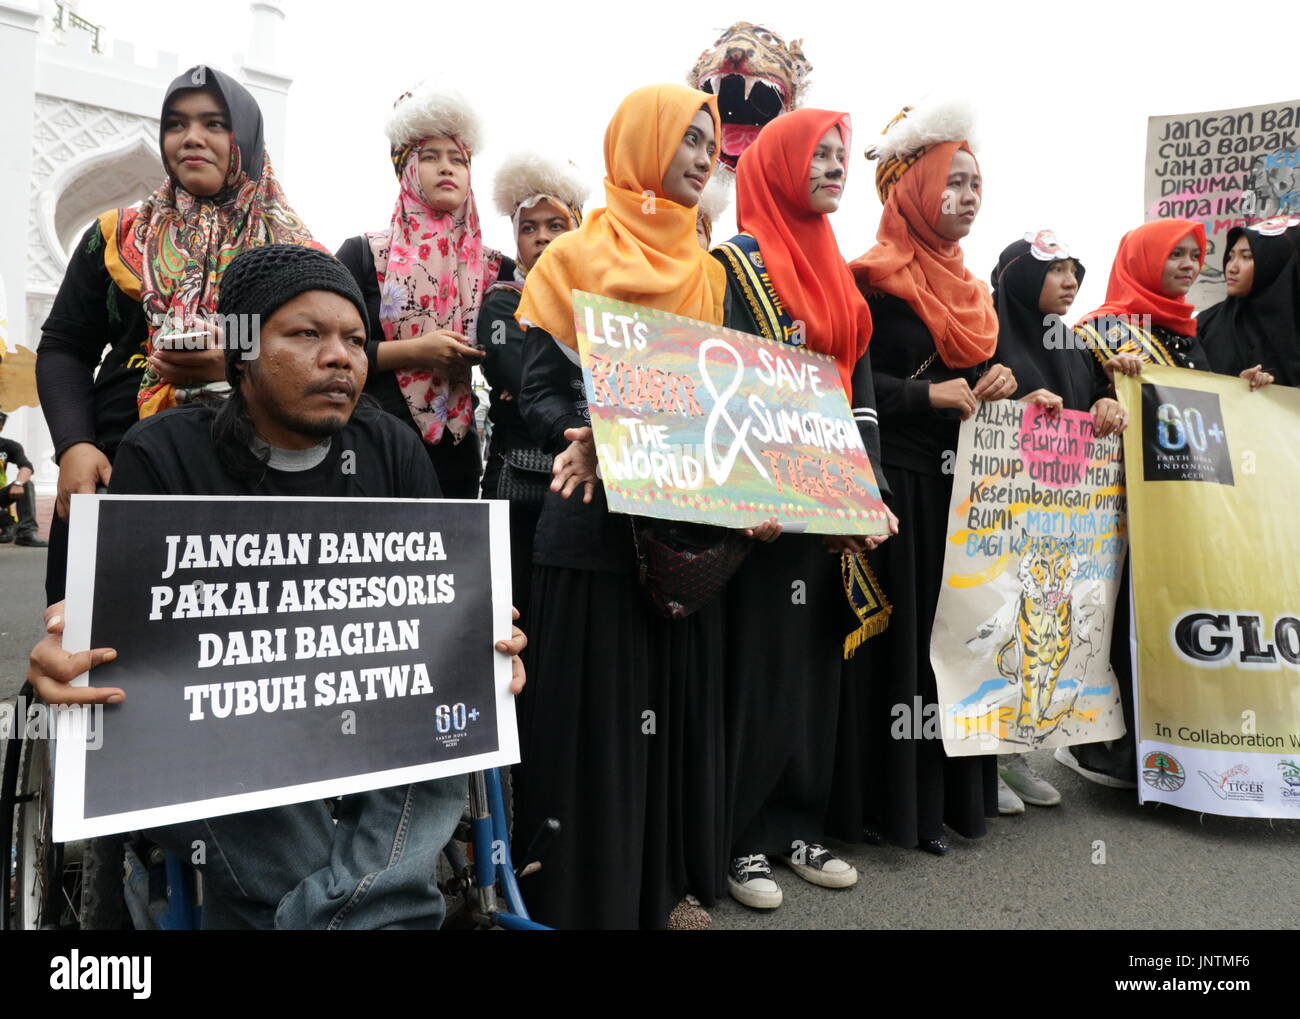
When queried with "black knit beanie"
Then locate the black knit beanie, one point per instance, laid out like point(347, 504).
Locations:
point(261, 279)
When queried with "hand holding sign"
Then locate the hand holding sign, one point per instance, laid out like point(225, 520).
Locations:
point(51, 670)
point(576, 465)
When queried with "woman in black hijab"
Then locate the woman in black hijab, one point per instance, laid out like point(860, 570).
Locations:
point(1034, 284)
point(1257, 327)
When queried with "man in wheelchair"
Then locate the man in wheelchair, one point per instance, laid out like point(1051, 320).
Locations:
point(293, 420)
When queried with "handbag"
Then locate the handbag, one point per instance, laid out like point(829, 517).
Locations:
point(683, 566)
point(525, 475)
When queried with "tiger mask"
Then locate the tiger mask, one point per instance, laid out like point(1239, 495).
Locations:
point(756, 76)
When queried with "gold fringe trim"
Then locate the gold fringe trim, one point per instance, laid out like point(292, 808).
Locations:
point(877, 624)
point(875, 610)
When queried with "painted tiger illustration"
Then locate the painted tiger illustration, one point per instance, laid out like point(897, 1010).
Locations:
point(756, 76)
point(1043, 635)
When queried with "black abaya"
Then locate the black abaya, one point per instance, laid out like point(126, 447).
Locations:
point(621, 730)
point(786, 620)
point(906, 788)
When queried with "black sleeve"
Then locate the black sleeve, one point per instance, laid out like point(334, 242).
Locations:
point(359, 260)
point(418, 478)
point(897, 396)
point(136, 473)
point(14, 454)
point(863, 405)
point(502, 340)
point(1102, 384)
point(550, 398)
point(73, 339)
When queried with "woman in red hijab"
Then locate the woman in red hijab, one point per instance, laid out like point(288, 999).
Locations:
point(934, 356)
point(788, 282)
point(1147, 317)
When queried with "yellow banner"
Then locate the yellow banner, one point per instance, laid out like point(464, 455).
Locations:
point(1214, 488)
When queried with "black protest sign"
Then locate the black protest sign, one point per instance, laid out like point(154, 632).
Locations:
point(279, 650)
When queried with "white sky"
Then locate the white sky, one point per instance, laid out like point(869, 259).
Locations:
point(1062, 91)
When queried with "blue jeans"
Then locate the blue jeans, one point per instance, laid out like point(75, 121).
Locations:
point(296, 868)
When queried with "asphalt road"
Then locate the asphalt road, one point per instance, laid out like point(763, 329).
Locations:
point(1165, 868)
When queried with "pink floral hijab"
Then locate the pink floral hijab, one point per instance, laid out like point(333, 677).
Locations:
point(432, 270)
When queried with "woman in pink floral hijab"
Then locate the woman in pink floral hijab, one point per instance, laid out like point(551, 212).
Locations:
point(424, 278)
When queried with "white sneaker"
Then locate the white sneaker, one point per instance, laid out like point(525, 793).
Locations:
point(819, 866)
point(1008, 801)
point(1031, 787)
point(751, 883)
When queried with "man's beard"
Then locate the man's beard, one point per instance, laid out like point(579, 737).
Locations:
point(312, 428)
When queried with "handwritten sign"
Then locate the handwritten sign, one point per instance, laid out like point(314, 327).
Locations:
point(1226, 168)
point(1036, 539)
point(700, 423)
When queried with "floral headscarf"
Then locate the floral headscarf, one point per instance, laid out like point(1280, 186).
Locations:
point(432, 270)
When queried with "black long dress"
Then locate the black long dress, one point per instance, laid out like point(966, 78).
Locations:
point(459, 466)
point(906, 788)
point(621, 732)
point(786, 619)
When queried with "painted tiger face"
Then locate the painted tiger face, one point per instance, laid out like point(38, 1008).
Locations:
point(756, 75)
point(1047, 573)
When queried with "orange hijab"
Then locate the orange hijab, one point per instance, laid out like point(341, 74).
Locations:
point(797, 244)
point(914, 262)
point(623, 251)
point(1134, 287)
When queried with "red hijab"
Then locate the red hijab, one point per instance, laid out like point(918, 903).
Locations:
point(1134, 287)
point(914, 262)
point(798, 246)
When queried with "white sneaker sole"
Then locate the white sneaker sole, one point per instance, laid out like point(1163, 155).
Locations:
point(844, 879)
point(1064, 757)
point(1032, 800)
point(753, 897)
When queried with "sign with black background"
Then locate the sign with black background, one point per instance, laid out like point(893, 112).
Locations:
point(1184, 436)
point(204, 721)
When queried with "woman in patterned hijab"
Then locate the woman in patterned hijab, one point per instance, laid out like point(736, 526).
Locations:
point(424, 278)
point(220, 198)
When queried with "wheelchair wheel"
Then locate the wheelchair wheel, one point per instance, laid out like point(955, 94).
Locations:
point(46, 892)
point(57, 886)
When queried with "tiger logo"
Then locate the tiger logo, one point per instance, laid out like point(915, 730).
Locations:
point(1043, 635)
point(756, 76)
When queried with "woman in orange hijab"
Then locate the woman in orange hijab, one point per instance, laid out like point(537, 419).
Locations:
point(621, 739)
point(933, 357)
point(788, 282)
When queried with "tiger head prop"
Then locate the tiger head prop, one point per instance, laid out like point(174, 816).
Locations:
point(756, 75)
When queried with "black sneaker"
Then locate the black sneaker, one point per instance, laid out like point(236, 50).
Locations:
point(751, 883)
point(819, 866)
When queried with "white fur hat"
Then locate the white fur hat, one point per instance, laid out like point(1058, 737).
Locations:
point(930, 122)
point(526, 175)
point(716, 196)
point(428, 111)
